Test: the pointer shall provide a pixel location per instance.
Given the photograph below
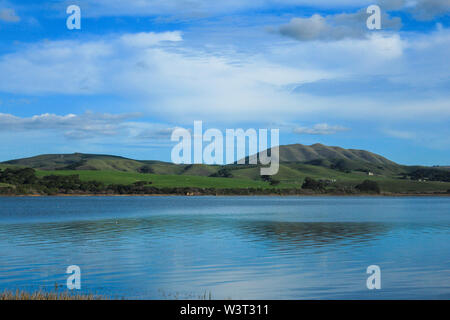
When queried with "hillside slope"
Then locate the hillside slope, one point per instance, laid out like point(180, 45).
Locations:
point(334, 158)
point(339, 168)
point(77, 161)
point(303, 153)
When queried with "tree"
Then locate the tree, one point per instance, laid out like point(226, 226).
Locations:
point(146, 169)
point(274, 182)
point(369, 186)
point(222, 173)
point(270, 179)
point(312, 184)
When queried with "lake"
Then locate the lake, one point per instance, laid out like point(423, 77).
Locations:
point(229, 247)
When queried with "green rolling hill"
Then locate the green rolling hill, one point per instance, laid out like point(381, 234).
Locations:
point(77, 161)
point(336, 158)
point(346, 167)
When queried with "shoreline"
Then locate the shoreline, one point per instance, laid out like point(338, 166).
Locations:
point(382, 195)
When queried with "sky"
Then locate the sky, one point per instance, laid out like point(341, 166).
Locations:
point(137, 69)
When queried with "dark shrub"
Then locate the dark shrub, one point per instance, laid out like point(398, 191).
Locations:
point(312, 184)
point(369, 186)
point(141, 183)
point(146, 169)
point(18, 176)
point(222, 173)
point(274, 182)
point(432, 174)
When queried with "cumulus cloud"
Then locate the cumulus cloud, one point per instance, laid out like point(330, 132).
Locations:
point(177, 82)
point(334, 27)
point(429, 9)
point(353, 25)
point(87, 126)
point(148, 39)
point(168, 78)
point(74, 67)
point(320, 129)
point(199, 8)
point(8, 15)
point(421, 9)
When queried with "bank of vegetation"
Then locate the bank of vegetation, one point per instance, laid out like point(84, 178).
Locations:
point(26, 181)
point(303, 170)
point(42, 295)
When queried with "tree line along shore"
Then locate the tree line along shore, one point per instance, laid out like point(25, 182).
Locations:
point(25, 181)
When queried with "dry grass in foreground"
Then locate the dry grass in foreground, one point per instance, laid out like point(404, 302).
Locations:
point(40, 295)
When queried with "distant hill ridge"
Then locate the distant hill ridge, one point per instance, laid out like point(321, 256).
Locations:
point(341, 169)
point(78, 161)
point(303, 153)
point(318, 154)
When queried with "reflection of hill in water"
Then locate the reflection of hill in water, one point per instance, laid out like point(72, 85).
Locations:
point(305, 234)
point(114, 232)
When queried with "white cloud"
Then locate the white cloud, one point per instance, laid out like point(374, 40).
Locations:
point(428, 9)
point(87, 126)
point(320, 129)
point(421, 9)
point(401, 134)
point(334, 27)
point(160, 75)
point(88, 122)
point(55, 67)
point(168, 79)
point(8, 15)
point(312, 28)
point(148, 39)
point(422, 135)
point(200, 8)
point(74, 67)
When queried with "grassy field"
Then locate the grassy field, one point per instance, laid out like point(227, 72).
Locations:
point(5, 166)
point(343, 168)
point(249, 178)
point(118, 177)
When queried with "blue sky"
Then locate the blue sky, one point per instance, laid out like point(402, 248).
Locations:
point(139, 68)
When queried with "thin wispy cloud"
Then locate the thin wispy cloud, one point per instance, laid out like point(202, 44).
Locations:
point(320, 129)
point(200, 8)
point(170, 78)
point(87, 126)
point(179, 61)
point(420, 9)
point(8, 15)
point(334, 27)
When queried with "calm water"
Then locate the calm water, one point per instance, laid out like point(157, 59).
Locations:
point(231, 247)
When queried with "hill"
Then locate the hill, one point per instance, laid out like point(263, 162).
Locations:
point(316, 154)
point(302, 153)
point(336, 158)
point(340, 169)
point(77, 161)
